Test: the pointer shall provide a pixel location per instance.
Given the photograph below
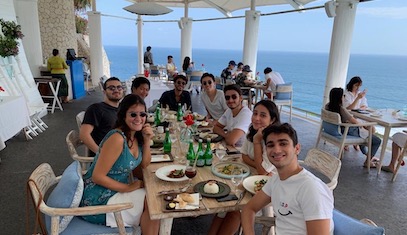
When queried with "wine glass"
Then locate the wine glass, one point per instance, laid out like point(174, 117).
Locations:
point(237, 179)
point(220, 153)
point(190, 172)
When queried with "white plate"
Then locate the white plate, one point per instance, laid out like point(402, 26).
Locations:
point(248, 183)
point(161, 158)
point(162, 173)
point(376, 115)
point(402, 118)
point(216, 169)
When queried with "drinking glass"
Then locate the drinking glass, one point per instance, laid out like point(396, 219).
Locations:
point(220, 153)
point(190, 172)
point(237, 179)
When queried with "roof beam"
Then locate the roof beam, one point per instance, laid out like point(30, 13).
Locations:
point(219, 8)
point(295, 4)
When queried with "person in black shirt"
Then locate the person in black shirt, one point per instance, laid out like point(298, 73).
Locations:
point(177, 95)
point(227, 72)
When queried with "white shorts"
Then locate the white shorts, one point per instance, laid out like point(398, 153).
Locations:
point(400, 139)
point(131, 217)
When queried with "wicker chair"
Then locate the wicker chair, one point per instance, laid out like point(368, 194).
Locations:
point(73, 142)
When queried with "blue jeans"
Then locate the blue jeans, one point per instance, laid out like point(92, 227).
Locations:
point(376, 141)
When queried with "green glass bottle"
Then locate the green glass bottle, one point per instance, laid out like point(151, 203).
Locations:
point(167, 141)
point(200, 154)
point(208, 153)
point(180, 114)
point(157, 117)
point(191, 153)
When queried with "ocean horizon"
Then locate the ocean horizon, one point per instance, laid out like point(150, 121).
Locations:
point(384, 76)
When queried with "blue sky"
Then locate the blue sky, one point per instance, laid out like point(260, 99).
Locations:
point(380, 28)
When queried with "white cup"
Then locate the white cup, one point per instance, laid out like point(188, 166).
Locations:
point(160, 129)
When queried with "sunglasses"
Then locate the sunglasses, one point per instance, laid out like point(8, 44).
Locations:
point(141, 114)
point(113, 88)
point(227, 97)
point(181, 83)
point(209, 83)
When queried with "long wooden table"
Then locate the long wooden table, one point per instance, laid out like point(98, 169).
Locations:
point(156, 204)
point(388, 120)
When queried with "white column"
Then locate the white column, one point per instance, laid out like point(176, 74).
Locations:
point(140, 44)
point(341, 42)
point(186, 38)
point(251, 39)
point(95, 41)
point(27, 15)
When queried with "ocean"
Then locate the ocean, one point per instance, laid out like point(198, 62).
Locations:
point(384, 76)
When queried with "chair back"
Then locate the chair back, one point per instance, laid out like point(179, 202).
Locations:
point(73, 141)
point(331, 122)
point(195, 76)
point(79, 119)
point(345, 225)
point(400, 160)
point(284, 96)
point(326, 164)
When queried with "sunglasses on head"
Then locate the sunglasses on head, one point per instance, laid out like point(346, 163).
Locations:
point(141, 114)
point(181, 83)
point(209, 83)
point(227, 97)
point(113, 88)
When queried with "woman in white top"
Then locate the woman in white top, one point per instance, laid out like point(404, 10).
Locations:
point(265, 113)
point(354, 98)
point(213, 99)
point(272, 80)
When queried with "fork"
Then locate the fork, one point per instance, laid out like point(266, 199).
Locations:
point(200, 199)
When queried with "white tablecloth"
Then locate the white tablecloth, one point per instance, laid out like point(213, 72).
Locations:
point(14, 116)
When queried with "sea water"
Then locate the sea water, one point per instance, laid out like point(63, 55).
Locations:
point(384, 76)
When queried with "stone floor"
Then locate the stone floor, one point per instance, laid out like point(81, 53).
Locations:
point(358, 193)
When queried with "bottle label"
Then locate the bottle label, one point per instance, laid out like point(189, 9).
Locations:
point(200, 162)
point(208, 162)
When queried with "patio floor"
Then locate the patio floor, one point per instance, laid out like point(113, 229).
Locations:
point(358, 194)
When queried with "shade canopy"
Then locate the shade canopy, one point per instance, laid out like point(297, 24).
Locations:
point(148, 8)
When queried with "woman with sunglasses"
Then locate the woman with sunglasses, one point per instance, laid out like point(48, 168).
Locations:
point(121, 151)
point(235, 119)
point(265, 113)
point(213, 99)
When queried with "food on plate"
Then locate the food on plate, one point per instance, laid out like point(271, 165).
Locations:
point(176, 173)
point(187, 197)
point(159, 138)
point(217, 146)
point(171, 117)
point(198, 116)
point(205, 135)
point(204, 123)
point(211, 187)
point(151, 142)
point(230, 169)
point(171, 206)
point(150, 118)
point(166, 156)
point(258, 184)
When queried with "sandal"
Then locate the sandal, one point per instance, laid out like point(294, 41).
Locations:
point(386, 169)
point(375, 160)
point(372, 164)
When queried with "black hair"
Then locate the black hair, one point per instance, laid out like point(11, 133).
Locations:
point(239, 64)
point(335, 99)
point(186, 63)
point(207, 75)
point(273, 112)
point(55, 52)
point(267, 70)
point(279, 129)
point(170, 56)
point(125, 104)
point(180, 76)
point(139, 81)
point(233, 87)
point(108, 80)
point(148, 48)
point(352, 82)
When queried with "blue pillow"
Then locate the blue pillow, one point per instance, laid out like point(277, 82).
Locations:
point(345, 225)
point(284, 95)
point(330, 129)
point(67, 194)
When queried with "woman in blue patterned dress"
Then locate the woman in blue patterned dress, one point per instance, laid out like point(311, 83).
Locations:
point(120, 152)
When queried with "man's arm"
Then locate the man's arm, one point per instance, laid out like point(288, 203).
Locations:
point(233, 136)
point(318, 227)
point(218, 129)
point(259, 201)
point(85, 136)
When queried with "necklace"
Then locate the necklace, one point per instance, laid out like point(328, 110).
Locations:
point(131, 142)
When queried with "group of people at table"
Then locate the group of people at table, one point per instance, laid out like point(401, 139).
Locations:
point(117, 134)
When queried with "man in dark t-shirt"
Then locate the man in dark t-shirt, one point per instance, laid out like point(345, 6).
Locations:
point(171, 98)
point(101, 117)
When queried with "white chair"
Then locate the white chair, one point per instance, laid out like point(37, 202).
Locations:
point(154, 71)
point(73, 142)
point(403, 152)
point(62, 207)
point(284, 97)
point(330, 130)
point(79, 120)
point(249, 96)
point(194, 80)
point(325, 164)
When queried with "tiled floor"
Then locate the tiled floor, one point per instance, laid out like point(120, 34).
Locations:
point(358, 193)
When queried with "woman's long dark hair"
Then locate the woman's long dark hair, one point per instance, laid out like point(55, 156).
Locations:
point(353, 81)
point(335, 99)
point(127, 102)
point(274, 114)
point(186, 63)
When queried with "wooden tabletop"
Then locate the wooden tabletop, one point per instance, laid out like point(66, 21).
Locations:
point(156, 204)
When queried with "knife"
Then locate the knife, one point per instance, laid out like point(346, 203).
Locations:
point(241, 196)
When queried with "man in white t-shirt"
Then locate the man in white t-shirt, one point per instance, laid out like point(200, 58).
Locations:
point(236, 119)
point(302, 203)
point(272, 80)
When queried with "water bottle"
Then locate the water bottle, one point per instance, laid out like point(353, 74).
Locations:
point(180, 114)
point(167, 141)
point(208, 153)
point(157, 118)
point(200, 155)
point(191, 153)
